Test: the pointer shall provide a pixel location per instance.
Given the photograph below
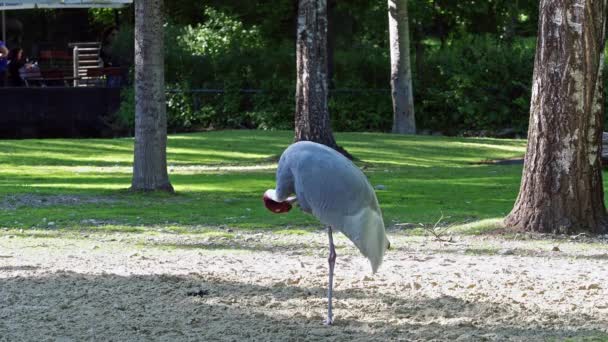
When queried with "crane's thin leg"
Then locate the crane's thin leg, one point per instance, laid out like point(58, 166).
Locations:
point(332, 262)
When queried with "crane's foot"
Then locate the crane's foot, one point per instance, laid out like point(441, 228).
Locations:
point(328, 321)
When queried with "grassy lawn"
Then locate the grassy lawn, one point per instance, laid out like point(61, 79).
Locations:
point(220, 178)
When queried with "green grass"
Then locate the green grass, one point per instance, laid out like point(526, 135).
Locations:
point(220, 178)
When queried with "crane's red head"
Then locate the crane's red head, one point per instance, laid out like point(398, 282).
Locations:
point(276, 207)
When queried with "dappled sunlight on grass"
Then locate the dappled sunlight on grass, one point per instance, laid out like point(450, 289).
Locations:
point(425, 151)
point(231, 181)
point(478, 227)
point(220, 178)
point(82, 186)
point(519, 149)
point(187, 149)
point(223, 154)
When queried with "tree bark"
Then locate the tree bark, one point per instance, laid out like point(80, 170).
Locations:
point(312, 121)
point(401, 73)
point(561, 189)
point(150, 157)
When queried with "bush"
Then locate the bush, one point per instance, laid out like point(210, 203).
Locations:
point(476, 83)
point(361, 110)
point(181, 114)
point(219, 36)
point(361, 100)
point(470, 85)
point(124, 119)
point(273, 109)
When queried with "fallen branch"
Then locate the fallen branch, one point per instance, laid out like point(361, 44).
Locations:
point(438, 231)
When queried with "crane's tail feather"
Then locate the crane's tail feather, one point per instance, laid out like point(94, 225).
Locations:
point(366, 231)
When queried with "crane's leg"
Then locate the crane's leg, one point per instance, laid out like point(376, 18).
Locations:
point(332, 262)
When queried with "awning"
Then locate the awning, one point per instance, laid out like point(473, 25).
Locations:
point(25, 4)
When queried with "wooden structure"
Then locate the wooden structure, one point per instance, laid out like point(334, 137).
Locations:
point(85, 56)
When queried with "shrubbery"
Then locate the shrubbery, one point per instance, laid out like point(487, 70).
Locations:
point(475, 84)
point(470, 85)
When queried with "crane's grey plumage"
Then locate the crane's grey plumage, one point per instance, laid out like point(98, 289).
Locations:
point(330, 187)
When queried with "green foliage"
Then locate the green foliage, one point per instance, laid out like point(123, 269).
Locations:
point(220, 35)
point(274, 108)
point(101, 17)
point(475, 83)
point(180, 113)
point(124, 118)
point(443, 19)
point(220, 54)
point(361, 111)
point(470, 85)
point(463, 83)
point(123, 46)
point(362, 100)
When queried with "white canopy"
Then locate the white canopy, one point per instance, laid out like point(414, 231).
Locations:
point(27, 4)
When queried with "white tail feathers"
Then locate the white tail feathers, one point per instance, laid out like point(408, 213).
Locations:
point(366, 231)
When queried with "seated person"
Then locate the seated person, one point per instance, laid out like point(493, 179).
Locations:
point(3, 63)
point(17, 64)
point(107, 44)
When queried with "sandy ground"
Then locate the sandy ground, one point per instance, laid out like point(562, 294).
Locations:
point(271, 287)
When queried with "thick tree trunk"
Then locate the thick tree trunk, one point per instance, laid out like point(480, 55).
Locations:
point(401, 72)
point(150, 160)
point(561, 189)
point(312, 114)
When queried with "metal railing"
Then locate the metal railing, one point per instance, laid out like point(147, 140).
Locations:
point(259, 91)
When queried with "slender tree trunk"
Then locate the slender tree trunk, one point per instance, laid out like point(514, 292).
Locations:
point(312, 114)
point(331, 42)
point(150, 160)
point(561, 189)
point(512, 21)
point(419, 47)
point(401, 72)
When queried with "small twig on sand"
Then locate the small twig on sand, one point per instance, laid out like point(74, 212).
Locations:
point(438, 231)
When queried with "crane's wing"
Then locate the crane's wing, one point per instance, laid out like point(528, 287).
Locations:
point(361, 221)
point(339, 195)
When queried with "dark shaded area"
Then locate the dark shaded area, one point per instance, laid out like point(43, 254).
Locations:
point(57, 112)
point(38, 29)
point(513, 161)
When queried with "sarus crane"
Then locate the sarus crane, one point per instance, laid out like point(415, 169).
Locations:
point(329, 186)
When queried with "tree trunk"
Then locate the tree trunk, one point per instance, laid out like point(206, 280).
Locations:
point(331, 42)
point(419, 47)
point(150, 160)
point(561, 189)
point(510, 27)
point(401, 72)
point(312, 114)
